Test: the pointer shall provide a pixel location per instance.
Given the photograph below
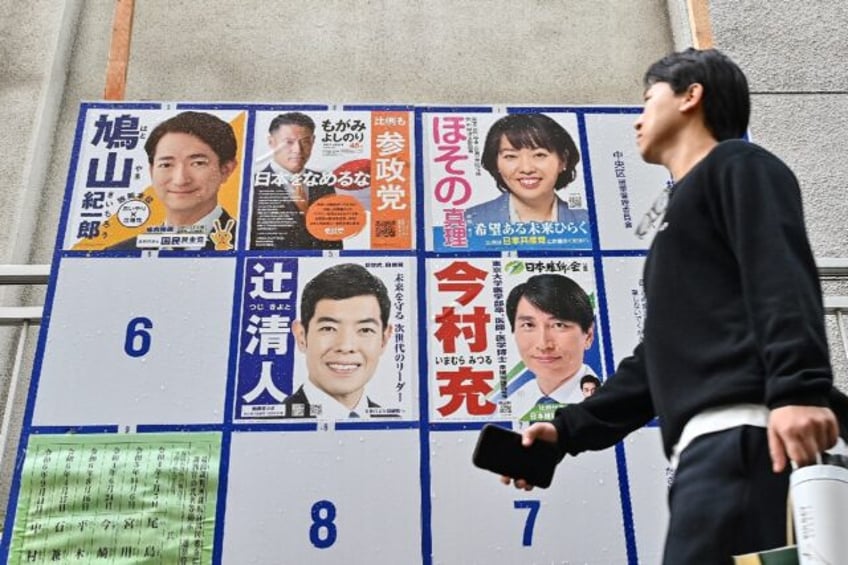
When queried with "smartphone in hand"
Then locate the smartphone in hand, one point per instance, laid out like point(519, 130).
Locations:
point(499, 450)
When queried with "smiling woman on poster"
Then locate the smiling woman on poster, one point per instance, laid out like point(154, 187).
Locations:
point(530, 156)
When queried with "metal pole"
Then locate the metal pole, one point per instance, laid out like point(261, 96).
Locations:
point(8, 409)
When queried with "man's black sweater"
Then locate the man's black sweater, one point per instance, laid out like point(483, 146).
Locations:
point(734, 308)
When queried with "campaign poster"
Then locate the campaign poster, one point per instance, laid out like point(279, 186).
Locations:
point(511, 338)
point(329, 180)
point(153, 178)
point(630, 194)
point(327, 340)
point(498, 182)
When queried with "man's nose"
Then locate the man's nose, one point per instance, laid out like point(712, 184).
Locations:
point(344, 339)
point(299, 147)
point(180, 174)
point(545, 341)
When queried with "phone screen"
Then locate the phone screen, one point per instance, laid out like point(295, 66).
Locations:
point(499, 450)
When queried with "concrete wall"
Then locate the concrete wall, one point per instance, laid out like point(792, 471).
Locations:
point(486, 51)
point(792, 53)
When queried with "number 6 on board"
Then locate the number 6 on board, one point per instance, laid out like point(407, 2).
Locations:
point(137, 341)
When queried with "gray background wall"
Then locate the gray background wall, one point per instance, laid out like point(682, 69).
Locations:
point(53, 54)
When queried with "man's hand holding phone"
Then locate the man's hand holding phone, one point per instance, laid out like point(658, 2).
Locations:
point(544, 431)
point(527, 459)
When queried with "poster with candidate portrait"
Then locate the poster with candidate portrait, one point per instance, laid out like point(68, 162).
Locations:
point(495, 181)
point(150, 177)
point(327, 340)
point(332, 180)
point(506, 332)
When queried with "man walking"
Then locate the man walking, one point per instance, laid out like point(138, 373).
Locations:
point(734, 359)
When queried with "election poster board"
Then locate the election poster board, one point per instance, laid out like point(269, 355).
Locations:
point(273, 333)
point(468, 299)
point(467, 185)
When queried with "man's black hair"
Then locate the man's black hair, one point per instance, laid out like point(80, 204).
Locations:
point(339, 282)
point(590, 379)
point(726, 99)
point(557, 295)
point(292, 119)
point(211, 130)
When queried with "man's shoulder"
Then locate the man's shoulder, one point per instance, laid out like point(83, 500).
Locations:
point(265, 181)
point(742, 148)
point(124, 245)
point(266, 169)
point(297, 400)
point(377, 411)
point(297, 396)
point(224, 217)
point(742, 160)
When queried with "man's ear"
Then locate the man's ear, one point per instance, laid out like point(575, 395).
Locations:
point(693, 97)
point(227, 169)
point(590, 337)
point(299, 335)
point(387, 334)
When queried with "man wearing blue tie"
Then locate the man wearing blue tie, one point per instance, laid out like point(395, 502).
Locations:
point(343, 330)
point(552, 321)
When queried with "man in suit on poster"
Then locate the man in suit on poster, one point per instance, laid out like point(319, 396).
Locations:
point(343, 331)
point(553, 325)
point(589, 385)
point(285, 189)
point(190, 156)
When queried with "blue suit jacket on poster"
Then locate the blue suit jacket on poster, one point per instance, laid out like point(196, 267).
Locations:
point(497, 210)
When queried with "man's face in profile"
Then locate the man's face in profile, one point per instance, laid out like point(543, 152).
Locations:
point(292, 145)
point(551, 348)
point(588, 389)
point(343, 344)
point(186, 177)
point(660, 122)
